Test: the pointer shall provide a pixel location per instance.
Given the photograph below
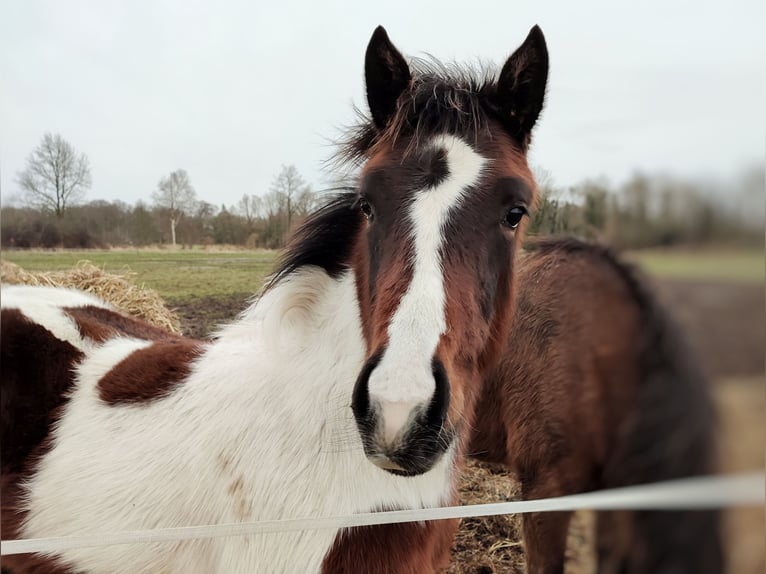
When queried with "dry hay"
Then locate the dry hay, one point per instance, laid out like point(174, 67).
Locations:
point(117, 289)
point(493, 545)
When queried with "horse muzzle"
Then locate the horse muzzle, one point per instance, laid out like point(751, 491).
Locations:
point(405, 438)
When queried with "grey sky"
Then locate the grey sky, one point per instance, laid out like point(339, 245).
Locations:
point(232, 90)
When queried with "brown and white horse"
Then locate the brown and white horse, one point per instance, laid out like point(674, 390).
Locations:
point(349, 386)
point(352, 383)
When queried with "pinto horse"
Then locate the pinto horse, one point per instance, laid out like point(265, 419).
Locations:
point(384, 350)
point(349, 385)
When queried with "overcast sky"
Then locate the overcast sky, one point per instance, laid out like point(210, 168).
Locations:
point(229, 91)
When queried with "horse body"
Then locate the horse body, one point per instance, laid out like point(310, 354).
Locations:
point(595, 390)
point(198, 456)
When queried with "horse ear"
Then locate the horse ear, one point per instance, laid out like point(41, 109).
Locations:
point(387, 75)
point(521, 85)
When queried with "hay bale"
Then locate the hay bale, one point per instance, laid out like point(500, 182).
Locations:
point(117, 289)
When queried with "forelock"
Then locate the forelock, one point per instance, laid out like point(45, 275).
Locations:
point(443, 98)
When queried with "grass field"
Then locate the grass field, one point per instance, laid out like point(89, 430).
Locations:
point(742, 266)
point(178, 275)
point(185, 275)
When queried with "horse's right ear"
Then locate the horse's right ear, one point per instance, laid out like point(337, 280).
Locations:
point(387, 75)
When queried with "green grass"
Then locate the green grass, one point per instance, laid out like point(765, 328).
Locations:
point(185, 275)
point(740, 266)
point(176, 275)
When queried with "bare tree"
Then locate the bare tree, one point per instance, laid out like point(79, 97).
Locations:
point(56, 176)
point(306, 202)
point(249, 207)
point(176, 196)
point(288, 186)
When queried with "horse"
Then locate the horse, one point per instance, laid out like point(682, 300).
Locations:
point(400, 334)
point(596, 389)
point(349, 385)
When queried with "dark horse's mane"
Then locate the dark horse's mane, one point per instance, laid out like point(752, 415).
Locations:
point(442, 98)
point(322, 240)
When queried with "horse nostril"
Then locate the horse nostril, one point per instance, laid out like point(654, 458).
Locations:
point(360, 398)
point(436, 415)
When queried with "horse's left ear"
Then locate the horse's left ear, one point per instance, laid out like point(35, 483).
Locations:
point(387, 75)
point(521, 85)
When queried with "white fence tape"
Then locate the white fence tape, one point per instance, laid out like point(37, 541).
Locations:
point(687, 494)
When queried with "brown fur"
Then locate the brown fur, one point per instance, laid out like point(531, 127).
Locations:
point(99, 324)
point(566, 409)
point(471, 342)
point(150, 373)
point(409, 548)
point(37, 375)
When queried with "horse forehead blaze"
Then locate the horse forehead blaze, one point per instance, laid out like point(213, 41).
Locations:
point(434, 212)
point(418, 319)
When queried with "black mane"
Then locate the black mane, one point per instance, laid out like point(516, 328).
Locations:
point(442, 98)
point(324, 240)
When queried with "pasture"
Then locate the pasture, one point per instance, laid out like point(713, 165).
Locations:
point(188, 274)
point(178, 275)
point(739, 266)
point(716, 296)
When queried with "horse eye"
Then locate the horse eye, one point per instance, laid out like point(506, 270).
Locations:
point(513, 217)
point(365, 207)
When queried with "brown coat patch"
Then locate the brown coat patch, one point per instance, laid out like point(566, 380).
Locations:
point(36, 376)
point(409, 548)
point(150, 373)
point(99, 324)
point(37, 373)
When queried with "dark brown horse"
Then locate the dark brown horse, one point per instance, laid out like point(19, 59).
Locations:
point(595, 390)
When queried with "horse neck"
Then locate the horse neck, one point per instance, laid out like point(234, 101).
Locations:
point(307, 312)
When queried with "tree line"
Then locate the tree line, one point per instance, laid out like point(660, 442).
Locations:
point(652, 211)
point(645, 211)
point(54, 214)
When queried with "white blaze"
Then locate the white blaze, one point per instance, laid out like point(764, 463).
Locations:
point(403, 378)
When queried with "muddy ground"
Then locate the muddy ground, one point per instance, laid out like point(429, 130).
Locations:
point(725, 329)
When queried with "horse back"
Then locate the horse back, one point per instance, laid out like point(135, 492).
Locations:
point(596, 389)
point(45, 333)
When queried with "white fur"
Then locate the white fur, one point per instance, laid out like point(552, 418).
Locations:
point(262, 429)
point(44, 305)
point(403, 380)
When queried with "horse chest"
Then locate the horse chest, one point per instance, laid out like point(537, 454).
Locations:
point(271, 451)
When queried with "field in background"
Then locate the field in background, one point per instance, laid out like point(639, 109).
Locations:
point(722, 265)
point(179, 276)
point(182, 275)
